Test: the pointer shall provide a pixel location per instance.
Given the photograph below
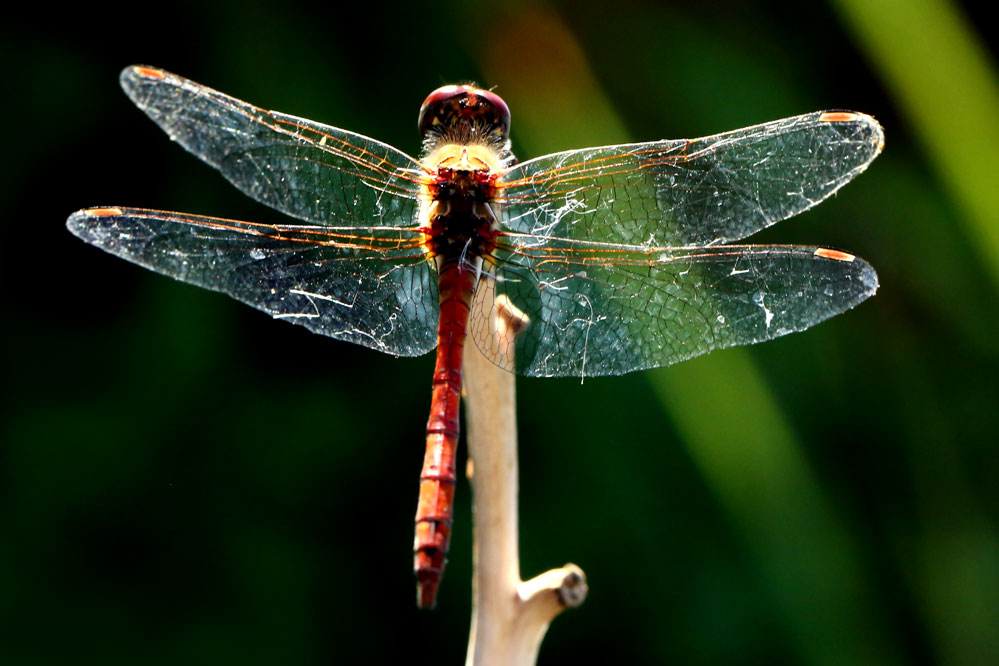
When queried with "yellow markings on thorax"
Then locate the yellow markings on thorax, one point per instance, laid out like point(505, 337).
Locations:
point(428, 210)
point(466, 157)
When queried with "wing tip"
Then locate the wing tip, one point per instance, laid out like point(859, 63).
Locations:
point(134, 76)
point(870, 279)
point(867, 277)
point(78, 222)
point(872, 129)
point(75, 221)
point(143, 72)
point(862, 270)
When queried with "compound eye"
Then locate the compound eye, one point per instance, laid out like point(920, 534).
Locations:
point(454, 106)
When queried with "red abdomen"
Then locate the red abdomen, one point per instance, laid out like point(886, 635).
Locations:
point(435, 508)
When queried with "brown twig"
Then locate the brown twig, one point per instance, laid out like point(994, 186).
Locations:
point(509, 616)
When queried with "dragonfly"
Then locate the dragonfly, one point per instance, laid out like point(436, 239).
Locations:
point(620, 258)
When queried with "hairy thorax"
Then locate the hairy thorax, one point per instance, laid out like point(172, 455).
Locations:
point(460, 218)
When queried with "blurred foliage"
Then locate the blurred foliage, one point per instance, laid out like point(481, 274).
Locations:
point(184, 480)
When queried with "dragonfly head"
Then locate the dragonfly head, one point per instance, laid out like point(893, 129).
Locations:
point(464, 114)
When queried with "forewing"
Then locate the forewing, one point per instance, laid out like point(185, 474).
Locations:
point(607, 311)
point(308, 170)
point(690, 192)
point(370, 286)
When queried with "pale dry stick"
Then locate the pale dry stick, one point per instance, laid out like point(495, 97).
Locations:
point(509, 616)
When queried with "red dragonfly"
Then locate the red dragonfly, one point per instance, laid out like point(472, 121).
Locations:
point(619, 256)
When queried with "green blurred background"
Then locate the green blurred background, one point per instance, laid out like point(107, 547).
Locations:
point(183, 480)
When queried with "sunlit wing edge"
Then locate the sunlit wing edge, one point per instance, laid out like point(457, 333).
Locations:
point(128, 233)
point(563, 339)
point(690, 191)
point(230, 146)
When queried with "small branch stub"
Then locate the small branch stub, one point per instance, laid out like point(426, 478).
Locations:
point(568, 584)
point(509, 616)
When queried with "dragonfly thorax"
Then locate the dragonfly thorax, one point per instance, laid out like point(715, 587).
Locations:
point(462, 224)
point(461, 230)
point(454, 185)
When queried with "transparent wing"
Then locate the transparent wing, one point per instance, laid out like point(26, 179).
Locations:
point(605, 310)
point(689, 192)
point(308, 170)
point(371, 286)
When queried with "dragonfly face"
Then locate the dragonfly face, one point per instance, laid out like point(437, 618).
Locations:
point(465, 115)
point(621, 257)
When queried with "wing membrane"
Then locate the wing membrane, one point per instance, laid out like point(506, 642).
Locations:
point(308, 170)
point(370, 286)
point(604, 310)
point(704, 191)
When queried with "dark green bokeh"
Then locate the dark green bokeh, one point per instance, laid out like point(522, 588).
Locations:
point(184, 480)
